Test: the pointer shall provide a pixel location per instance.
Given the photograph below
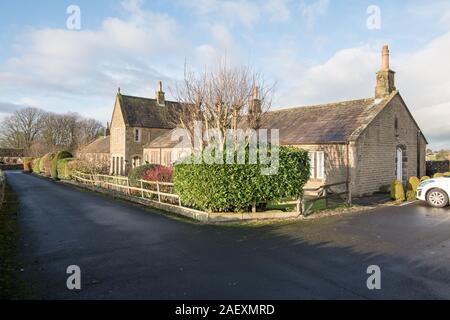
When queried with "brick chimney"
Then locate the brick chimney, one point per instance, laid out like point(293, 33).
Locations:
point(385, 77)
point(107, 130)
point(160, 96)
point(254, 110)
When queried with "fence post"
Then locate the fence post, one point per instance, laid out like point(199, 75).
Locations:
point(299, 205)
point(157, 188)
point(128, 186)
point(254, 208)
point(142, 189)
point(326, 197)
point(349, 191)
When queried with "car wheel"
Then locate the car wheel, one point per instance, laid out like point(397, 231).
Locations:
point(437, 198)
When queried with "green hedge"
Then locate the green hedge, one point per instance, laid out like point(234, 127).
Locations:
point(46, 164)
point(411, 188)
point(64, 169)
point(58, 156)
point(397, 191)
point(236, 187)
point(27, 164)
point(138, 173)
point(37, 166)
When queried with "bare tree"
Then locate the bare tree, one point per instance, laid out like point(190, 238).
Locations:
point(223, 98)
point(22, 128)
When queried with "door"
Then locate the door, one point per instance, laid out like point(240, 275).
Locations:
point(399, 164)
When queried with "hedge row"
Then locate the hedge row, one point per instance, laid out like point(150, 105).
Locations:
point(236, 187)
point(54, 164)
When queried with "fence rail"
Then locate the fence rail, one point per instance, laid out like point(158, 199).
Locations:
point(154, 190)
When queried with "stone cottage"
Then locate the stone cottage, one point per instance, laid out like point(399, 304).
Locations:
point(135, 122)
point(366, 142)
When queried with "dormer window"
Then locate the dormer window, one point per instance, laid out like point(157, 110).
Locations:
point(137, 135)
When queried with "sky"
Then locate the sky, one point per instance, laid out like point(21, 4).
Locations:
point(314, 51)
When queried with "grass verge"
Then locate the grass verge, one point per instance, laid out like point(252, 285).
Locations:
point(8, 244)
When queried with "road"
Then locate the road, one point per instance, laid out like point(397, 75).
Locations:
point(129, 252)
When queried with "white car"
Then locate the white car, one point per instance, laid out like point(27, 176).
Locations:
point(435, 191)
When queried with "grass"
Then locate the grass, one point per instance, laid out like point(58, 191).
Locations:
point(318, 205)
point(8, 244)
point(11, 288)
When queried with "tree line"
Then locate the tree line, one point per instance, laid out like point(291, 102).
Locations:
point(39, 132)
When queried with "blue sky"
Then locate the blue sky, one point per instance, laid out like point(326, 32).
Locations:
point(316, 51)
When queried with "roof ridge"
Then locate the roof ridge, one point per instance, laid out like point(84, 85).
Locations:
point(329, 104)
point(145, 98)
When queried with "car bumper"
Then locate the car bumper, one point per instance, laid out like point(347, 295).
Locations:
point(420, 194)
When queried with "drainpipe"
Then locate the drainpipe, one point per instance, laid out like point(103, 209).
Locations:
point(349, 200)
point(418, 153)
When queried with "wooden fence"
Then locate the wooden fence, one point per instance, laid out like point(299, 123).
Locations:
point(164, 192)
point(159, 191)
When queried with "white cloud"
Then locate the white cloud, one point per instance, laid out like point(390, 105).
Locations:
point(84, 62)
point(422, 78)
point(314, 10)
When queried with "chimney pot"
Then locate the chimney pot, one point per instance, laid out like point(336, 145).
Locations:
point(160, 96)
point(385, 58)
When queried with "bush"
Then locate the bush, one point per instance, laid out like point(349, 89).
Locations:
point(236, 187)
point(411, 189)
point(159, 173)
point(37, 166)
point(447, 174)
point(46, 164)
point(90, 167)
point(424, 178)
point(438, 175)
point(58, 156)
point(397, 191)
point(137, 174)
point(65, 169)
point(27, 164)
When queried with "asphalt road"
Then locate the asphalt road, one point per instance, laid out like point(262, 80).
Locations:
point(127, 252)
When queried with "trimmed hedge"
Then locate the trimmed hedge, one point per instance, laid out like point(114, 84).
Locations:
point(58, 156)
point(438, 175)
point(411, 188)
point(236, 187)
point(65, 169)
point(397, 191)
point(138, 173)
point(27, 164)
point(447, 174)
point(424, 178)
point(37, 166)
point(46, 164)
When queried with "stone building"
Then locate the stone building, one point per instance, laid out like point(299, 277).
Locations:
point(11, 156)
point(135, 122)
point(367, 142)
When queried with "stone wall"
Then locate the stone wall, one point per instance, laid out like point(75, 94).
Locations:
point(437, 166)
point(376, 148)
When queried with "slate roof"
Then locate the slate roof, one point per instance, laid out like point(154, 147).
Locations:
point(100, 145)
point(337, 122)
point(11, 153)
point(146, 113)
point(165, 141)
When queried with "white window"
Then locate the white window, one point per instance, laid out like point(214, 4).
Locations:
point(312, 164)
point(117, 137)
point(320, 165)
point(137, 135)
point(154, 157)
point(317, 165)
point(166, 157)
